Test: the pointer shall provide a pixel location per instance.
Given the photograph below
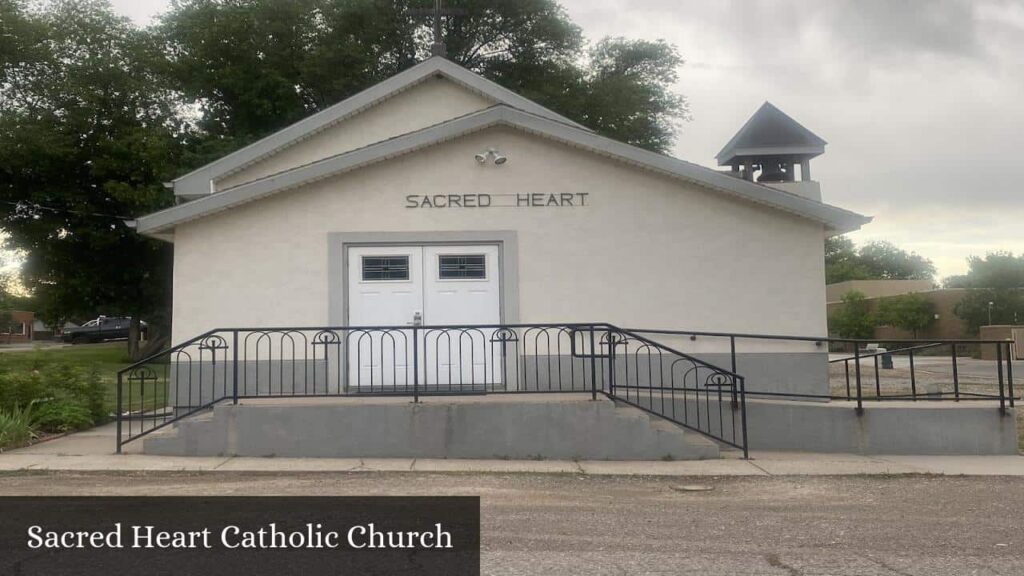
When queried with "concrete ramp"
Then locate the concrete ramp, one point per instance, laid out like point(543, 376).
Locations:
point(521, 427)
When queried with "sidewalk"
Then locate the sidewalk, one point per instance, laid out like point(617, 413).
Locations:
point(93, 451)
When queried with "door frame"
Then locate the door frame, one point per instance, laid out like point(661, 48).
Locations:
point(337, 264)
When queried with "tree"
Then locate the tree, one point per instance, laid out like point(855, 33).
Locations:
point(873, 261)
point(88, 133)
point(255, 66)
point(998, 270)
point(95, 113)
point(842, 262)
point(884, 260)
point(911, 312)
point(853, 319)
point(1007, 307)
point(6, 324)
point(997, 278)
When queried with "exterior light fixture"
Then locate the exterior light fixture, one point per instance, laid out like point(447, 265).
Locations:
point(491, 154)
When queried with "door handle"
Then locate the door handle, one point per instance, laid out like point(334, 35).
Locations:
point(417, 319)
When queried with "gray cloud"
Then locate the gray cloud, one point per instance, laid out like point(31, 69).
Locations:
point(921, 102)
point(895, 29)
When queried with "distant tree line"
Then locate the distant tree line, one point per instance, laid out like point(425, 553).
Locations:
point(994, 283)
point(995, 286)
point(877, 260)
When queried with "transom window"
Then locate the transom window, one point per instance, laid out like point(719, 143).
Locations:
point(376, 268)
point(462, 267)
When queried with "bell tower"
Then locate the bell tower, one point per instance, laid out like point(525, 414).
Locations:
point(775, 150)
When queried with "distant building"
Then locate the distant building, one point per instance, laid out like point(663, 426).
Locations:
point(19, 329)
point(42, 331)
point(947, 325)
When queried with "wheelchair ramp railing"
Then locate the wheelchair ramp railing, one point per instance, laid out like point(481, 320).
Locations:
point(227, 365)
point(673, 385)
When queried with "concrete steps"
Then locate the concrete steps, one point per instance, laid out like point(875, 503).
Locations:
point(540, 427)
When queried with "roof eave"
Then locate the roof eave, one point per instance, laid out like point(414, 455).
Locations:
point(829, 216)
point(198, 182)
point(728, 157)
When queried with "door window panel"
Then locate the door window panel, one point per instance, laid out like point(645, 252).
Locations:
point(462, 267)
point(378, 268)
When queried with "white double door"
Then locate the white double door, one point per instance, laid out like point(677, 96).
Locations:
point(399, 286)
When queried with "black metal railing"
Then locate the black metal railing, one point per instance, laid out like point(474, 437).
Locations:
point(869, 375)
point(594, 358)
point(678, 387)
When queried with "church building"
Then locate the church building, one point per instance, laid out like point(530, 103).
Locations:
point(438, 197)
point(437, 267)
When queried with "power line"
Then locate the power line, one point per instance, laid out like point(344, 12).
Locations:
point(21, 205)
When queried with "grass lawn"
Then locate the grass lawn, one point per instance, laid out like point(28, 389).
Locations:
point(106, 359)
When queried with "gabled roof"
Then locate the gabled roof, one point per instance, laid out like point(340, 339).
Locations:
point(771, 131)
point(837, 219)
point(197, 182)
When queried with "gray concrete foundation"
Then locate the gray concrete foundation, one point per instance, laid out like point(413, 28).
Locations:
point(942, 428)
point(536, 426)
point(892, 427)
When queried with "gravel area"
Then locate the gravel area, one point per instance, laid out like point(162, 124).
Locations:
point(570, 524)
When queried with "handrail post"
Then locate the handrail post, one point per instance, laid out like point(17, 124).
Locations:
point(956, 376)
point(1009, 371)
point(611, 363)
point(234, 372)
point(999, 369)
point(913, 379)
point(743, 415)
point(846, 368)
point(860, 395)
point(593, 366)
point(415, 365)
point(120, 410)
point(732, 353)
point(878, 381)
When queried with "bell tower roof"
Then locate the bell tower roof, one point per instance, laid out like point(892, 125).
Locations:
point(771, 132)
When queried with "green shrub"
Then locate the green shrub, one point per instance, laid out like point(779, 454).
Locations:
point(62, 416)
point(78, 386)
point(854, 318)
point(16, 427)
point(66, 398)
point(20, 389)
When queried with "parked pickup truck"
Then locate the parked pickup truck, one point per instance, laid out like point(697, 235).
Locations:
point(101, 329)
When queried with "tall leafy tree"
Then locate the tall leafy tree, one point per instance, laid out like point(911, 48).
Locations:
point(985, 306)
point(853, 319)
point(842, 262)
point(96, 113)
point(887, 261)
point(87, 136)
point(997, 270)
point(873, 261)
point(255, 66)
point(910, 312)
point(996, 290)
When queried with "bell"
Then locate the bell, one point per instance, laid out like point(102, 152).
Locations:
point(772, 172)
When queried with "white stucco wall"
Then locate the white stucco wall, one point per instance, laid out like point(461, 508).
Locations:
point(425, 104)
point(647, 251)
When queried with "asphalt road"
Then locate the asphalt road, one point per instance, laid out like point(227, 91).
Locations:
point(567, 524)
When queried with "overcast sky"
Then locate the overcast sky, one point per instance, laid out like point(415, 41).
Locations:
point(922, 102)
